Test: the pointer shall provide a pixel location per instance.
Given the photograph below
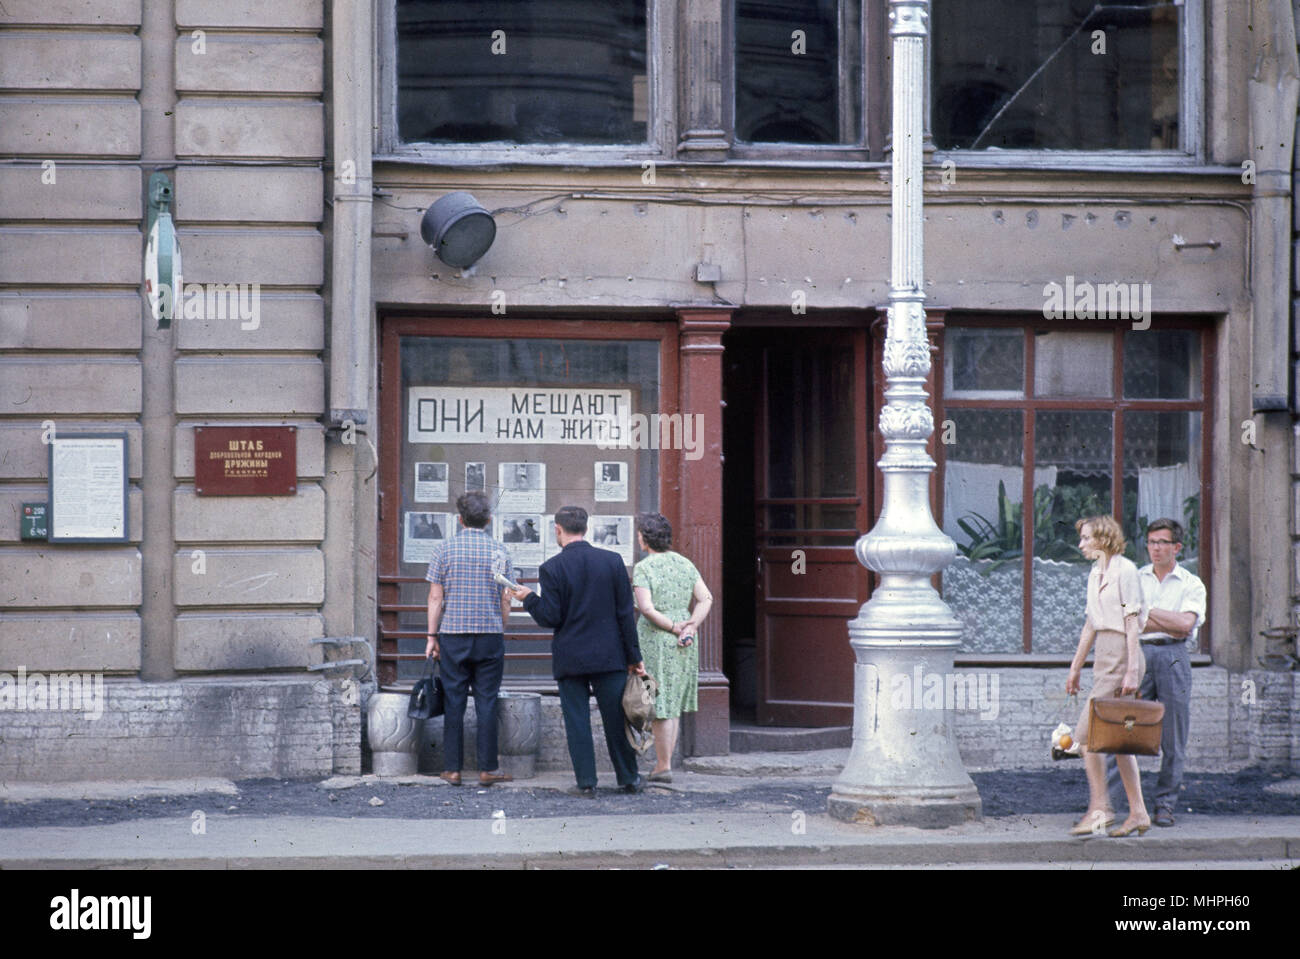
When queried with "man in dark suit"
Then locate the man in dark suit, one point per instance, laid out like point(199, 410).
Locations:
point(587, 599)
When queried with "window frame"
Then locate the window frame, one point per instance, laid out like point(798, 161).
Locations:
point(661, 120)
point(439, 324)
point(1191, 125)
point(665, 62)
point(1118, 405)
point(874, 43)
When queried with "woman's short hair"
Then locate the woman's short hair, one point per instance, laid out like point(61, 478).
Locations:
point(1106, 531)
point(655, 530)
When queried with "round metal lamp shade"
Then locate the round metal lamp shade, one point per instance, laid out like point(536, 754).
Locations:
point(459, 230)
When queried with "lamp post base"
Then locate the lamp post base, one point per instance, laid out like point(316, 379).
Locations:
point(932, 807)
point(904, 768)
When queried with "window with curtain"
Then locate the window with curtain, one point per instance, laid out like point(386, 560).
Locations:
point(1099, 421)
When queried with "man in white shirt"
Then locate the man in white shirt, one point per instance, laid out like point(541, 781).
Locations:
point(1176, 599)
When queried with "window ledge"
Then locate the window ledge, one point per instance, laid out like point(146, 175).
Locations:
point(474, 158)
point(492, 161)
point(524, 155)
point(1073, 161)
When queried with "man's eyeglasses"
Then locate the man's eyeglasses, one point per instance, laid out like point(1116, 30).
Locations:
point(1160, 542)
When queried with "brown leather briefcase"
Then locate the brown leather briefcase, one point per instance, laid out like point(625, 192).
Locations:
point(1125, 725)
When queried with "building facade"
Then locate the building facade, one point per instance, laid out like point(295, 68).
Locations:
point(681, 311)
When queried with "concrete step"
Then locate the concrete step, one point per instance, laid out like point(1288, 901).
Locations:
point(823, 763)
point(748, 738)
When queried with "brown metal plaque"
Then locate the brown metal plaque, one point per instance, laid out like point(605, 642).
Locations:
point(246, 460)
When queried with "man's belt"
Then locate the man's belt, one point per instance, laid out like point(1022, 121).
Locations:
point(1162, 641)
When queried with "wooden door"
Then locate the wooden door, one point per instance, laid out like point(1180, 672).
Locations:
point(812, 501)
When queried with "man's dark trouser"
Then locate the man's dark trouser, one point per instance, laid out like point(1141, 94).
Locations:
point(478, 660)
point(1168, 679)
point(575, 704)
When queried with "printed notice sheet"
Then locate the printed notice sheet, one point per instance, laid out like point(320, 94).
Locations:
point(522, 487)
point(422, 534)
point(611, 482)
point(612, 532)
point(431, 482)
point(522, 534)
point(88, 488)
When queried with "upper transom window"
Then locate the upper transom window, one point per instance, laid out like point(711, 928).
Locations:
point(1083, 75)
point(522, 71)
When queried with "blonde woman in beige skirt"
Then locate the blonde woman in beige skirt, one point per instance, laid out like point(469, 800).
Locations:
point(1114, 619)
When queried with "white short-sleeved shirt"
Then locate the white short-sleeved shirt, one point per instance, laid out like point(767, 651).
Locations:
point(1181, 592)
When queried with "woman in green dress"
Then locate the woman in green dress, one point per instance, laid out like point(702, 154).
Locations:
point(663, 585)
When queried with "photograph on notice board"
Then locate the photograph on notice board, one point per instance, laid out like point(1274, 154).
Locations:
point(431, 482)
point(522, 534)
point(423, 533)
point(474, 473)
point(548, 536)
point(612, 532)
point(611, 482)
point(523, 487)
point(553, 545)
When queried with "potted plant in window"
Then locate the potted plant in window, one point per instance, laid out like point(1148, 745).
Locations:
point(985, 583)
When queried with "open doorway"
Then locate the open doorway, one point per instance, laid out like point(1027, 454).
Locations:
point(796, 496)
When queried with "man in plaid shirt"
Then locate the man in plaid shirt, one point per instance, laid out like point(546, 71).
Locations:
point(467, 616)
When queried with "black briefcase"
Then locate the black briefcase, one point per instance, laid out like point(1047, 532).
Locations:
point(426, 697)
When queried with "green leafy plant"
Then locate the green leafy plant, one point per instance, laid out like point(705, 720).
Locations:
point(1054, 513)
point(1191, 524)
point(1001, 543)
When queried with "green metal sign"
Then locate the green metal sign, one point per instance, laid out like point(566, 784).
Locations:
point(34, 525)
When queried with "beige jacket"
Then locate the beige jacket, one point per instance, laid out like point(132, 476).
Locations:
point(1114, 593)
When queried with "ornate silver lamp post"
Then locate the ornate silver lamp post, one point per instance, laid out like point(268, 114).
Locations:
point(904, 767)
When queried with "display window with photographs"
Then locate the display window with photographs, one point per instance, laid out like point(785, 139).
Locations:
point(536, 424)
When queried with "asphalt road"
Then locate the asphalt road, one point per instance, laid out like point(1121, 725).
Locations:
point(1058, 790)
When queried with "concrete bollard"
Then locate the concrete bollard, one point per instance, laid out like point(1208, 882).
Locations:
point(392, 734)
point(519, 732)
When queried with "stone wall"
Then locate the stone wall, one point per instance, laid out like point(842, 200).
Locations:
point(230, 728)
point(1236, 720)
point(230, 100)
point(71, 248)
point(305, 728)
point(1274, 734)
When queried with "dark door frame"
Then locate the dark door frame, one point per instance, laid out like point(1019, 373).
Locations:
point(773, 329)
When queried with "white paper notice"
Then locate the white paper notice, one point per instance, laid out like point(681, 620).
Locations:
point(431, 482)
point(474, 477)
point(521, 533)
point(552, 544)
point(523, 487)
point(88, 488)
point(422, 534)
point(613, 533)
point(611, 482)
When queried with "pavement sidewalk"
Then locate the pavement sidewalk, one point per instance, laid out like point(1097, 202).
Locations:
point(579, 837)
point(671, 840)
